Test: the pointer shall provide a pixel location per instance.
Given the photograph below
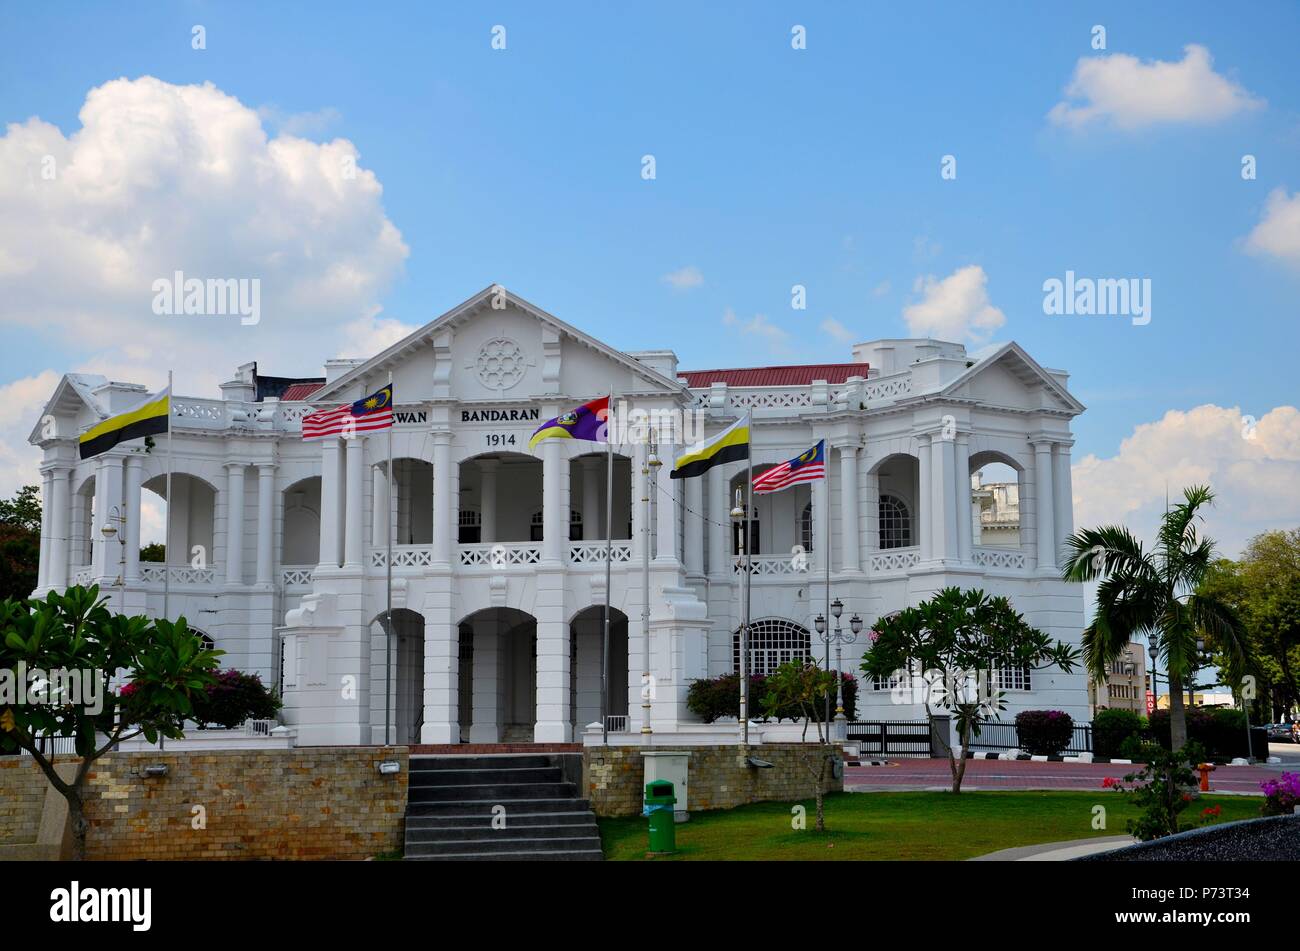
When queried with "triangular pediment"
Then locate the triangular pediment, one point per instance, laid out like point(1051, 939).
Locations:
point(73, 406)
point(1006, 375)
point(496, 346)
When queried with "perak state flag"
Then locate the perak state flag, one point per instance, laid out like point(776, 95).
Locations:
point(808, 466)
point(587, 422)
point(365, 415)
point(147, 419)
point(728, 446)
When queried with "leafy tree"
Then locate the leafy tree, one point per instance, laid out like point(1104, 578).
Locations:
point(1156, 594)
point(1263, 587)
point(20, 543)
point(74, 633)
point(802, 685)
point(948, 648)
point(154, 551)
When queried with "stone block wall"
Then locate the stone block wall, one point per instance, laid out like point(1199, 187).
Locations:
point(614, 777)
point(307, 803)
point(22, 797)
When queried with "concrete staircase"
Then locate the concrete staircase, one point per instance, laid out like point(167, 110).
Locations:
point(453, 801)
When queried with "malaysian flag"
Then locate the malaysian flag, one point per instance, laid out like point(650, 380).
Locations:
point(365, 415)
point(806, 467)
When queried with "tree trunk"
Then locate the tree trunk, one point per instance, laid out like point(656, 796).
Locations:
point(821, 794)
point(77, 816)
point(958, 766)
point(1177, 714)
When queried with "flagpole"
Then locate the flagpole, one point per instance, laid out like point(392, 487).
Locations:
point(388, 562)
point(826, 523)
point(744, 628)
point(609, 557)
point(167, 531)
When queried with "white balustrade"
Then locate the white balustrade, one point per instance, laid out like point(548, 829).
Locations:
point(593, 553)
point(500, 555)
point(893, 559)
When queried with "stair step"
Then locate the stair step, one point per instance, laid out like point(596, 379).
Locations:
point(513, 806)
point(491, 792)
point(538, 855)
point(490, 846)
point(509, 833)
point(475, 777)
point(483, 820)
point(483, 761)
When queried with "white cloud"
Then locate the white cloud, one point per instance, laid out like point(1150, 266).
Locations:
point(683, 279)
point(1133, 94)
point(955, 308)
point(162, 178)
point(312, 123)
point(20, 406)
point(759, 326)
point(1254, 478)
point(1278, 232)
point(372, 334)
point(837, 330)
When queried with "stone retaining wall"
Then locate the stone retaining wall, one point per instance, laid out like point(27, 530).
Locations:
point(614, 777)
point(307, 803)
point(22, 797)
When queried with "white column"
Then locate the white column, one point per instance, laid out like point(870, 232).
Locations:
point(329, 504)
point(924, 514)
point(1043, 506)
point(134, 479)
point(47, 483)
point(593, 469)
point(693, 532)
point(61, 510)
point(871, 508)
point(638, 507)
point(355, 500)
point(719, 514)
point(850, 556)
point(441, 674)
point(380, 518)
point(666, 490)
point(265, 522)
point(444, 505)
point(108, 495)
point(234, 523)
point(488, 469)
point(943, 495)
point(555, 502)
point(1062, 494)
point(964, 527)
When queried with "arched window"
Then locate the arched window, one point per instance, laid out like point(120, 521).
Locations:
point(536, 528)
point(806, 528)
point(773, 641)
point(895, 523)
point(470, 527)
point(753, 534)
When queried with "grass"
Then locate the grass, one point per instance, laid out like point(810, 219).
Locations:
point(901, 825)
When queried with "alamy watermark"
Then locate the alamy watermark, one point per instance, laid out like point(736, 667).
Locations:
point(1099, 297)
point(22, 686)
point(213, 297)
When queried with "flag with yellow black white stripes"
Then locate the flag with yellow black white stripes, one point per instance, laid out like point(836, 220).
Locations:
point(148, 419)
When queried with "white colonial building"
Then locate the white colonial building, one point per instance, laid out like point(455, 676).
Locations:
point(498, 558)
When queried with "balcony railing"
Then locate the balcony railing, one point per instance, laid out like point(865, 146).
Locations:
point(760, 566)
point(1012, 559)
point(295, 576)
point(893, 559)
point(593, 553)
point(180, 574)
point(500, 555)
point(404, 556)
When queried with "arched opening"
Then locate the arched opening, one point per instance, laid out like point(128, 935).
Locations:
point(406, 714)
point(773, 641)
point(300, 534)
point(587, 494)
point(498, 676)
point(897, 480)
point(81, 544)
point(505, 489)
point(587, 646)
point(778, 517)
point(996, 484)
point(192, 514)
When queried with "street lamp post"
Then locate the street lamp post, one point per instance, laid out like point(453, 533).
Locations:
point(840, 639)
point(1155, 690)
point(116, 514)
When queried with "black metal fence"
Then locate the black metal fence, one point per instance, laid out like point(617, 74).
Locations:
point(996, 736)
point(890, 737)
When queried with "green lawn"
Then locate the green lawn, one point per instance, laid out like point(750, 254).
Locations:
point(900, 825)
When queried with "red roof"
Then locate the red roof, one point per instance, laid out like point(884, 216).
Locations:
point(801, 375)
point(300, 391)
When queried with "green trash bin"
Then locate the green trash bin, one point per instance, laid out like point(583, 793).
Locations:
point(659, 802)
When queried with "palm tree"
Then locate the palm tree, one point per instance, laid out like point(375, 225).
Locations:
point(1156, 594)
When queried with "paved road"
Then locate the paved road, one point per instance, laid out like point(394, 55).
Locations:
point(905, 774)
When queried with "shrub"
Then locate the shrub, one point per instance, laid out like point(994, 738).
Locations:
point(1137, 748)
point(1162, 790)
point(1222, 731)
point(1110, 728)
point(1044, 732)
point(1281, 795)
point(234, 698)
point(716, 697)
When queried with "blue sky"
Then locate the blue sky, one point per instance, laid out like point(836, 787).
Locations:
point(774, 167)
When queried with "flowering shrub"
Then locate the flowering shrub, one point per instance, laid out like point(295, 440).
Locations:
point(720, 697)
point(1281, 795)
point(234, 698)
point(1044, 732)
point(1161, 790)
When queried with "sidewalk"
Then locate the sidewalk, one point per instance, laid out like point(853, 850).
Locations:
point(1057, 851)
